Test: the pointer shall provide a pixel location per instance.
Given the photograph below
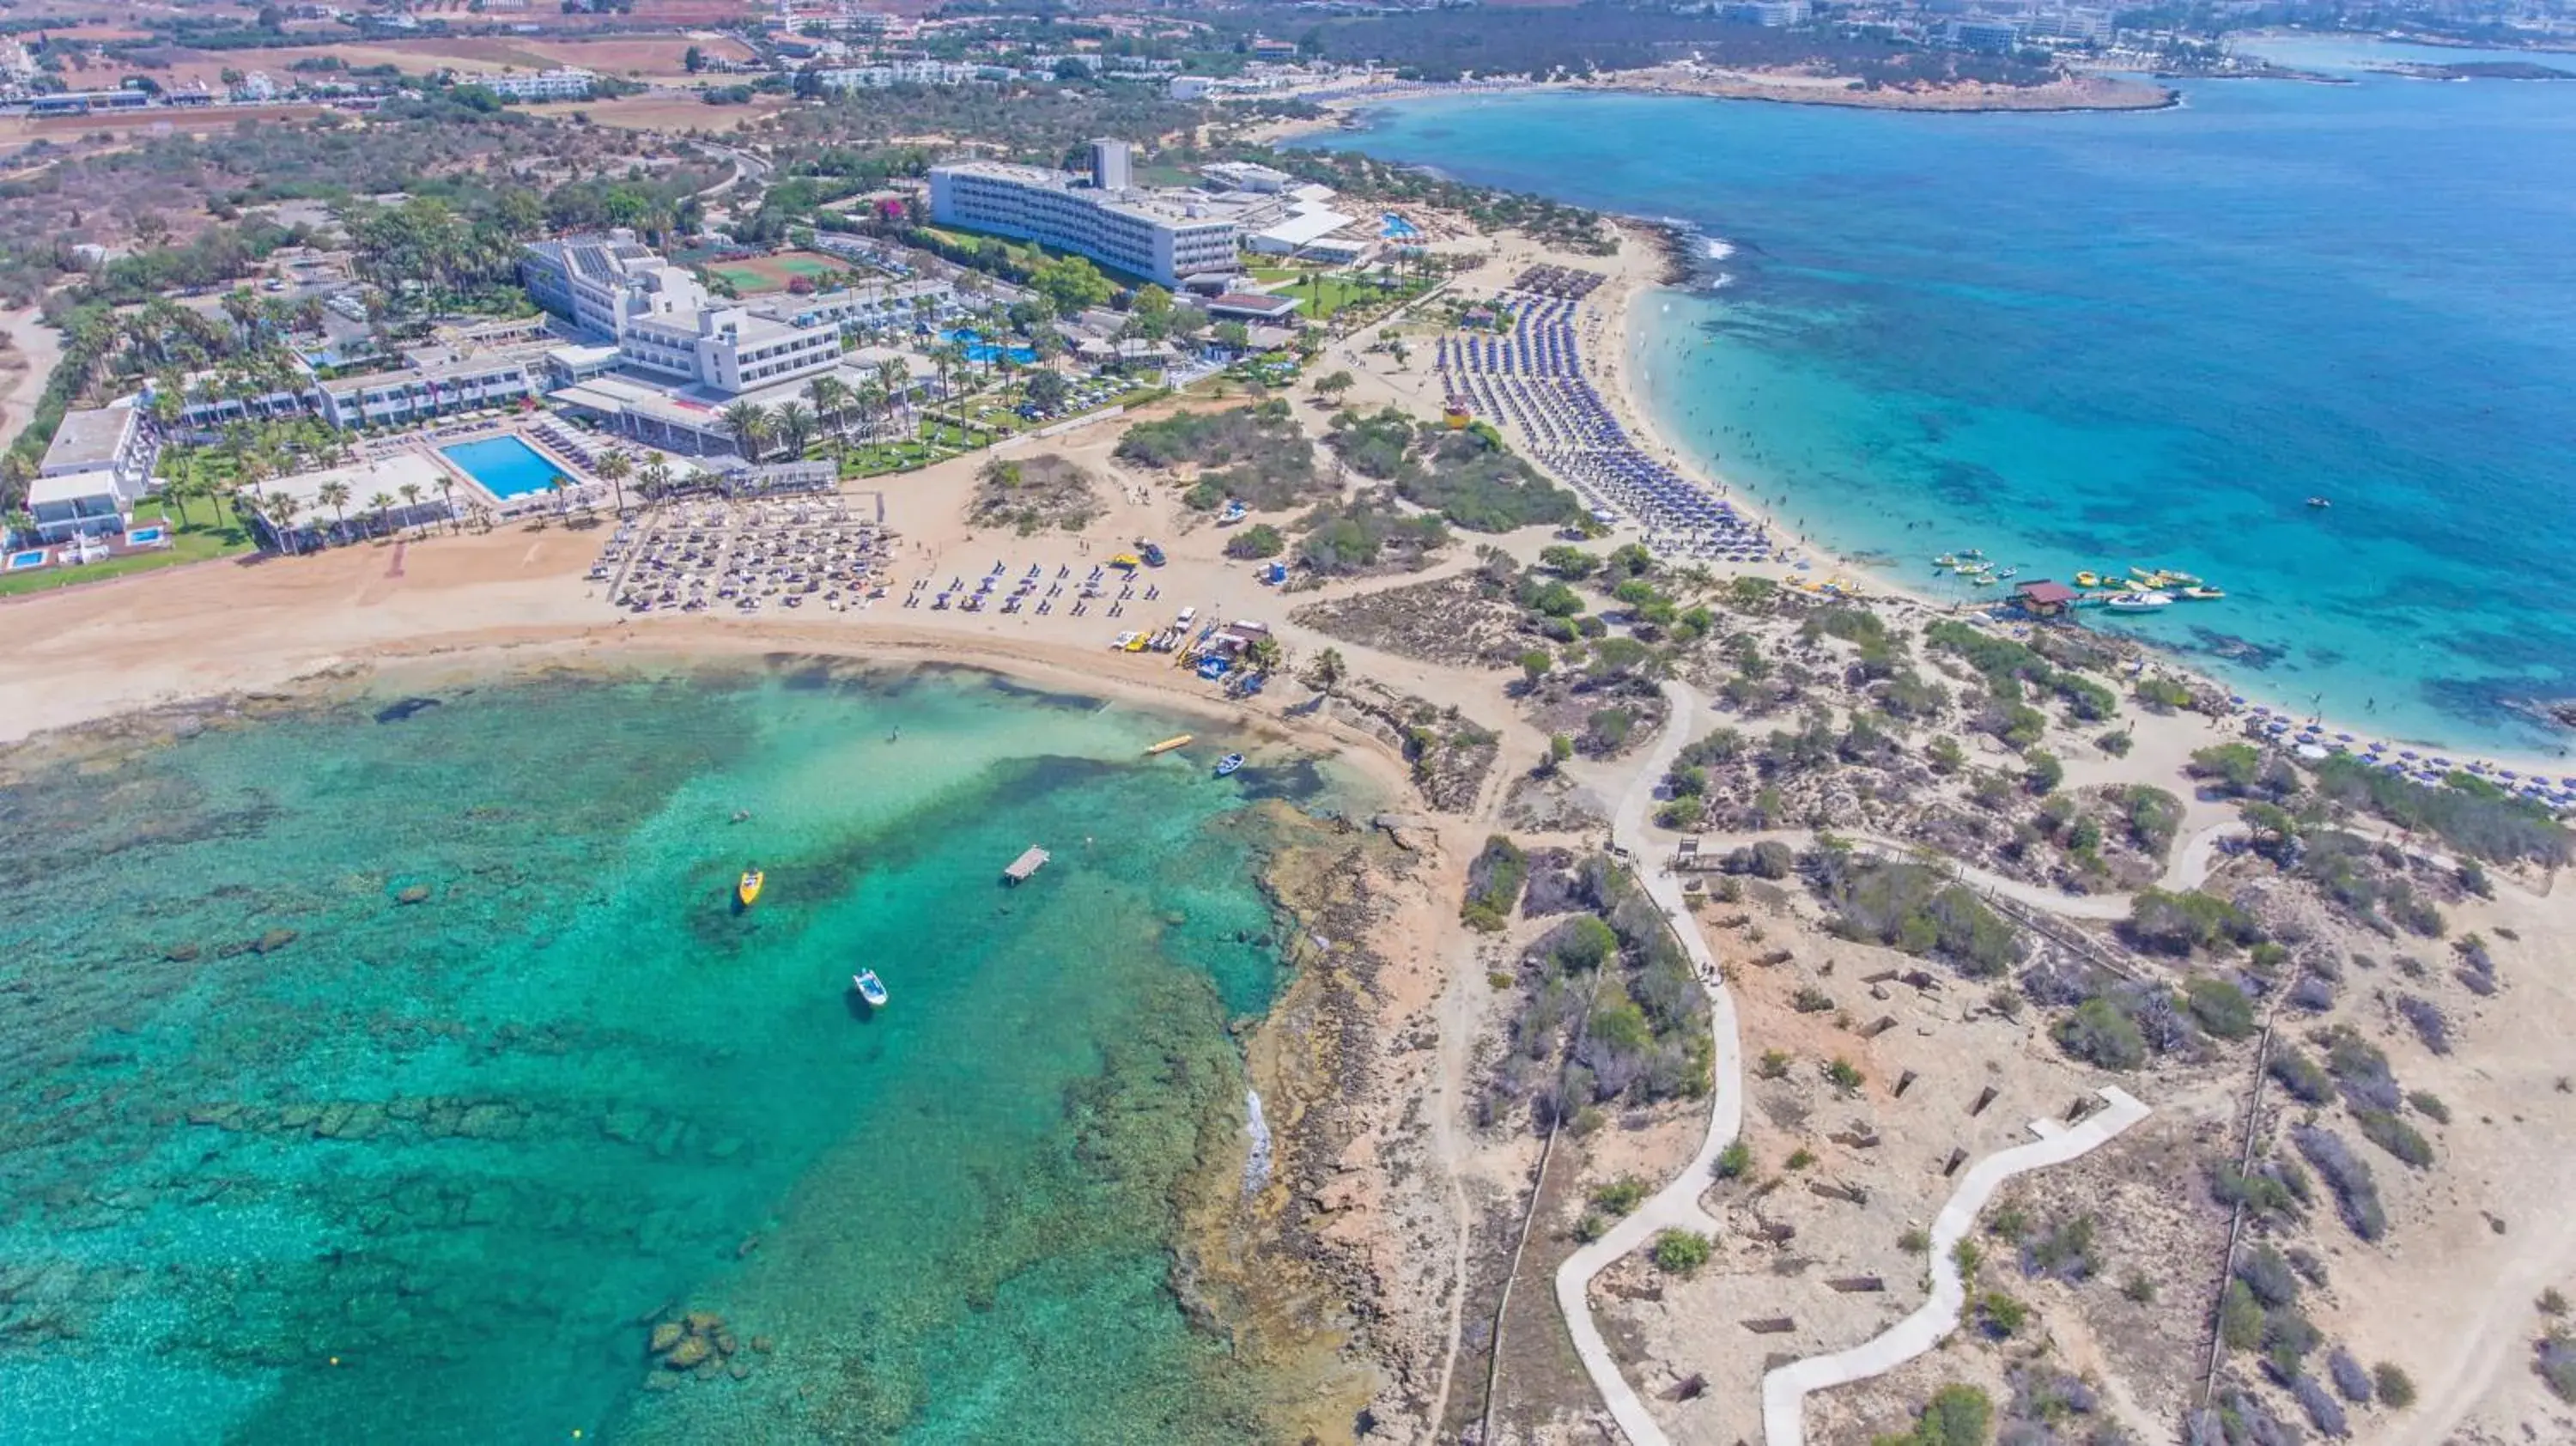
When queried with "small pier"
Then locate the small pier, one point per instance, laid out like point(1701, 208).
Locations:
point(1026, 864)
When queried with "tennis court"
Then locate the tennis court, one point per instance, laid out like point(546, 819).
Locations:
point(753, 275)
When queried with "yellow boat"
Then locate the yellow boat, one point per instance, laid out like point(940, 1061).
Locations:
point(2088, 579)
point(1128, 561)
point(746, 891)
point(1168, 744)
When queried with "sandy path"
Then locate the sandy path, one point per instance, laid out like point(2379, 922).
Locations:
point(40, 347)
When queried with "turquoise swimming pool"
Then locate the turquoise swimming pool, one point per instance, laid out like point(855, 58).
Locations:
point(505, 466)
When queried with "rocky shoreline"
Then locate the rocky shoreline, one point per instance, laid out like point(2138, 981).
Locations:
point(1317, 1276)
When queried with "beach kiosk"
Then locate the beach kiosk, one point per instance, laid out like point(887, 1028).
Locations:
point(2044, 599)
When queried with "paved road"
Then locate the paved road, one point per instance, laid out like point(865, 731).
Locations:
point(1785, 1390)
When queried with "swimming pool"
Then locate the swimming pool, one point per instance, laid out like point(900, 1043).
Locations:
point(32, 557)
point(1395, 228)
point(153, 536)
point(504, 466)
point(980, 350)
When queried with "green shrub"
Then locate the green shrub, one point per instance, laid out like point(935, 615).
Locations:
point(1681, 1252)
point(1495, 879)
point(2396, 1388)
point(2220, 1007)
point(2181, 923)
point(2097, 1032)
point(1620, 1196)
point(1955, 1416)
point(1259, 540)
point(1734, 1161)
point(2240, 1317)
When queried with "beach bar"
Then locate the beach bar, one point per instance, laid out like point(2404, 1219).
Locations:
point(1029, 862)
point(2044, 599)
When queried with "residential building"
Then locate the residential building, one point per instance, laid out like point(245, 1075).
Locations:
point(1160, 236)
point(1245, 176)
point(569, 83)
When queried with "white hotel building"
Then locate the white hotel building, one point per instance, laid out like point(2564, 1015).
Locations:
point(569, 83)
point(662, 321)
point(1162, 236)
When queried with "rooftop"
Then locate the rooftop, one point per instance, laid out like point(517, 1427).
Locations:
point(1253, 303)
point(72, 486)
point(88, 438)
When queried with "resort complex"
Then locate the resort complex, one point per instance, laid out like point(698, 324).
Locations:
point(826, 723)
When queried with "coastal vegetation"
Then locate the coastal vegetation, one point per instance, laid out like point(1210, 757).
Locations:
point(1034, 493)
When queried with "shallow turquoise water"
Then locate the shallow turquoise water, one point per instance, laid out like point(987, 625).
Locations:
point(2112, 339)
point(465, 1148)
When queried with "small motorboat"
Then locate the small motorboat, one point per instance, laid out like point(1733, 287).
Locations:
point(1234, 512)
point(2319, 502)
point(2203, 594)
point(2138, 602)
point(1228, 764)
point(870, 987)
point(746, 890)
point(2088, 579)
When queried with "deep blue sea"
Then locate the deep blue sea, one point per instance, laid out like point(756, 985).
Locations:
point(2097, 340)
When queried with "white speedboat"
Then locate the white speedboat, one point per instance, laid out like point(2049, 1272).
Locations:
point(2138, 602)
point(870, 987)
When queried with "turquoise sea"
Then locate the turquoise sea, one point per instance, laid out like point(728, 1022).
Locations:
point(2098, 340)
point(289, 1158)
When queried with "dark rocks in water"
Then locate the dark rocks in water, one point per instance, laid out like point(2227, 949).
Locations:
point(402, 708)
point(274, 940)
point(180, 953)
point(413, 894)
point(2235, 649)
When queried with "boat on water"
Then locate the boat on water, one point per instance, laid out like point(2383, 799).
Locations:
point(1945, 560)
point(2202, 594)
point(2088, 579)
point(1228, 764)
point(2319, 502)
point(870, 987)
point(2138, 602)
point(746, 890)
point(1178, 740)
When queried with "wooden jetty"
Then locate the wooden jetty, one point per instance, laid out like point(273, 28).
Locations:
point(1026, 864)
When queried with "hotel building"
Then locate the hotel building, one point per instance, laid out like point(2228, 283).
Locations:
point(1162, 236)
point(662, 321)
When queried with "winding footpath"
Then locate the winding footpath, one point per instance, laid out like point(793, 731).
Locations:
point(1676, 1206)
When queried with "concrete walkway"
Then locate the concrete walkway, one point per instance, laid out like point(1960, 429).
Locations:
point(1676, 1206)
point(1785, 1390)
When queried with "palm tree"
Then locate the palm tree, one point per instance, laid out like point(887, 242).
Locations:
point(377, 507)
point(335, 495)
point(750, 427)
point(614, 468)
point(1263, 654)
point(830, 398)
point(555, 485)
point(280, 509)
point(896, 378)
point(411, 503)
point(447, 494)
point(656, 476)
point(1327, 670)
point(794, 422)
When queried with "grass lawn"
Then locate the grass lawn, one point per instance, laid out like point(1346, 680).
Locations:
point(196, 543)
